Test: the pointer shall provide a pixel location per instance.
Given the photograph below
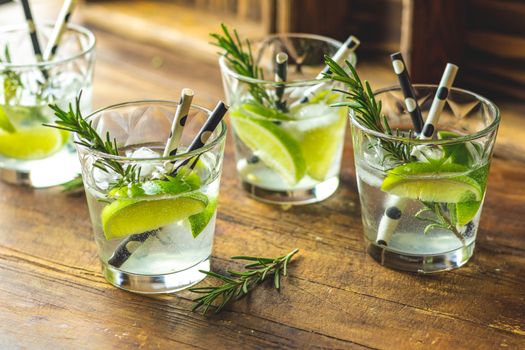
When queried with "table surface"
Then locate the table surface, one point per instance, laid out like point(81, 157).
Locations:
point(52, 294)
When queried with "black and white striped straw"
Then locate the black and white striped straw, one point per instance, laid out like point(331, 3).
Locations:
point(122, 252)
point(439, 101)
point(408, 91)
point(179, 121)
point(204, 133)
point(396, 205)
point(281, 69)
point(59, 29)
point(33, 34)
point(349, 46)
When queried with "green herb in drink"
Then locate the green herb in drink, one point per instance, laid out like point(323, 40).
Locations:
point(240, 57)
point(367, 109)
point(73, 121)
point(12, 79)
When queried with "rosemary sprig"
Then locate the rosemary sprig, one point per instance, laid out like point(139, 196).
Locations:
point(240, 57)
point(241, 284)
point(438, 220)
point(367, 109)
point(73, 121)
point(12, 79)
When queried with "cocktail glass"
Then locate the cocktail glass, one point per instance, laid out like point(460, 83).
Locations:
point(154, 235)
point(287, 152)
point(422, 214)
point(30, 153)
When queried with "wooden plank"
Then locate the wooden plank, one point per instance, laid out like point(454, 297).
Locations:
point(499, 45)
point(171, 26)
point(433, 34)
point(504, 17)
point(52, 295)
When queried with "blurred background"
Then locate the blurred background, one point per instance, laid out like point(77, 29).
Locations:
point(152, 49)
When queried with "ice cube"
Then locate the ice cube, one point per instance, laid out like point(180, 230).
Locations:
point(102, 179)
point(154, 126)
point(369, 178)
point(135, 116)
point(114, 123)
point(315, 116)
point(147, 169)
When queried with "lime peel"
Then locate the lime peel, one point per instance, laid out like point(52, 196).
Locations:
point(276, 148)
point(125, 217)
point(401, 181)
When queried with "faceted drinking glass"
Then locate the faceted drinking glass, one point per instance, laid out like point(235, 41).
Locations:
point(155, 234)
point(287, 152)
point(421, 201)
point(30, 153)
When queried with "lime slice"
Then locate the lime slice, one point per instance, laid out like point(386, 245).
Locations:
point(432, 182)
point(5, 123)
point(32, 143)
point(125, 217)
point(158, 187)
point(327, 96)
point(258, 111)
point(321, 145)
point(466, 211)
point(465, 153)
point(276, 148)
point(198, 222)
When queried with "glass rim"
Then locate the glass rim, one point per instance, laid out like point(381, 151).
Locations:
point(461, 139)
point(181, 156)
point(70, 26)
point(224, 66)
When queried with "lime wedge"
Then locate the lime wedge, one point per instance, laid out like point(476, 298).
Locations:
point(125, 217)
point(465, 153)
point(258, 111)
point(198, 222)
point(432, 182)
point(276, 148)
point(32, 143)
point(5, 123)
point(159, 187)
point(465, 211)
point(321, 145)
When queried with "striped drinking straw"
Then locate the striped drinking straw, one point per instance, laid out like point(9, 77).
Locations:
point(349, 46)
point(408, 91)
point(281, 69)
point(34, 35)
point(396, 205)
point(177, 126)
point(32, 30)
point(59, 29)
point(122, 253)
point(204, 134)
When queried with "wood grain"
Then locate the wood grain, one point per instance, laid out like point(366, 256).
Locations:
point(433, 34)
point(52, 295)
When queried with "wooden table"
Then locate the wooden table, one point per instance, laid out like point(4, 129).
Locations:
point(52, 295)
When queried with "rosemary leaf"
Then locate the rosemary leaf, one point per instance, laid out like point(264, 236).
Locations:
point(240, 283)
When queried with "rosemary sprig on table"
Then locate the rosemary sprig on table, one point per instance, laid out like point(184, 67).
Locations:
point(73, 121)
point(367, 109)
point(240, 57)
point(241, 284)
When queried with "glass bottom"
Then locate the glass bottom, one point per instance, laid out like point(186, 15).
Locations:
point(156, 284)
point(315, 194)
point(55, 170)
point(421, 263)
